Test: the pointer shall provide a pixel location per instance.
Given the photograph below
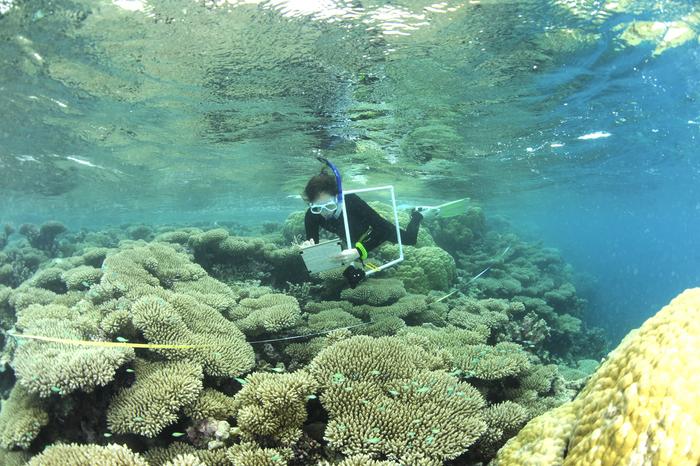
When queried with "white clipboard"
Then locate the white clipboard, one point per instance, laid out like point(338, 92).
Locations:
point(318, 258)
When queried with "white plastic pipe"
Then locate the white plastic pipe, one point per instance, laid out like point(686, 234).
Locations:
point(396, 224)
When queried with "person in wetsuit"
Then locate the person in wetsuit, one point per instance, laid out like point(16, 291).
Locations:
point(368, 229)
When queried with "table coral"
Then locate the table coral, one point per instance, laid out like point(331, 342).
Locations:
point(384, 399)
point(153, 402)
point(46, 368)
point(21, 419)
point(273, 406)
point(269, 313)
point(376, 292)
point(87, 455)
point(181, 319)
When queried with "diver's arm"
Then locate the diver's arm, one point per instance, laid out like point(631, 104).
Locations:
point(381, 228)
point(311, 224)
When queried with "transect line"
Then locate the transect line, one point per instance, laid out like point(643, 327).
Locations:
point(115, 344)
point(475, 276)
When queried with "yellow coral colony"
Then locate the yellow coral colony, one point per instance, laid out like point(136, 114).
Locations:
point(640, 408)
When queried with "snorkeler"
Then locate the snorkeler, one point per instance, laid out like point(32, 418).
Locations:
point(368, 229)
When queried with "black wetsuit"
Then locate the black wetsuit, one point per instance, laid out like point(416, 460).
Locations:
point(366, 225)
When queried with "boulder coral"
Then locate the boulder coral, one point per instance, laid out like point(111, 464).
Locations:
point(640, 406)
point(424, 269)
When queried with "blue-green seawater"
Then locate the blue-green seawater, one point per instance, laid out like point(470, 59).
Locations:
point(555, 116)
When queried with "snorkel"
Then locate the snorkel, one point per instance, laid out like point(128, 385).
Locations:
point(339, 184)
point(353, 275)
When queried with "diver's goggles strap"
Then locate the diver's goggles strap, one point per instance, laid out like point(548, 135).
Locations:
point(361, 249)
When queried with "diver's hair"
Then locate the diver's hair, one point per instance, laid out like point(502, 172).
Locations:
point(323, 182)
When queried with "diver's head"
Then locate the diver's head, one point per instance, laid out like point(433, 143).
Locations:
point(321, 193)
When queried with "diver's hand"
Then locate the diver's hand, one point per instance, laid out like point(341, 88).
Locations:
point(347, 255)
point(307, 243)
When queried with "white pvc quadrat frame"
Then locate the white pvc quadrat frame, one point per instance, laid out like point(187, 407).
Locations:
point(396, 224)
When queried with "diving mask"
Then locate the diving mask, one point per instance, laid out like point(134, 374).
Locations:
point(328, 206)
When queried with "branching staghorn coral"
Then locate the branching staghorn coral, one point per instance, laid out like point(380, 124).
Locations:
point(87, 455)
point(154, 293)
point(159, 456)
point(22, 416)
point(490, 362)
point(384, 399)
point(269, 313)
point(365, 460)
point(248, 453)
point(503, 420)
point(272, 407)
point(211, 403)
point(45, 368)
point(185, 460)
point(181, 319)
point(153, 402)
point(376, 292)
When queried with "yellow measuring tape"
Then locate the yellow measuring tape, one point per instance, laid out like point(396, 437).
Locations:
point(103, 344)
point(371, 266)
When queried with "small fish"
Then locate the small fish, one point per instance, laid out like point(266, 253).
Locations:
point(177, 434)
point(276, 458)
point(311, 397)
point(122, 340)
point(393, 392)
point(240, 381)
point(130, 371)
point(375, 372)
point(435, 431)
point(107, 434)
point(56, 389)
point(138, 418)
point(430, 439)
point(423, 390)
point(374, 440)
point(277, 369)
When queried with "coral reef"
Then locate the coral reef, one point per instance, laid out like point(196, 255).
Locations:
point(272, 407)
point(492, 265)
point(638, 408)
point(153, 401)
point(44, 236)
point(383, 399)
point(88, 455)
point(21, 419)
point(272, 366)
